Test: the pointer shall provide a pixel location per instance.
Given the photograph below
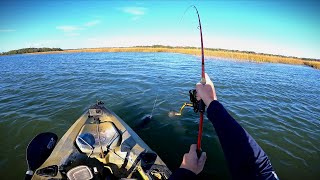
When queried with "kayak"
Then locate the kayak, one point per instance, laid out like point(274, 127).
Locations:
point(100, 145)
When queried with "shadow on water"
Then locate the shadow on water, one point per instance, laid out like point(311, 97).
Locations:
point(143, 123)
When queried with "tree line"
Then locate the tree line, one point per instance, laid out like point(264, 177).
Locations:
point(30, 50)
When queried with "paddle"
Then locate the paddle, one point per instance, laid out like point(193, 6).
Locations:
point(38, 150)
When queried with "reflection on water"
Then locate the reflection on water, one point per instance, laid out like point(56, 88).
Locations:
point(278, 104)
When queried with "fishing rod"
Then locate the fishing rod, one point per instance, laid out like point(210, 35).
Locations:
point(198, 106)
point(203, 82)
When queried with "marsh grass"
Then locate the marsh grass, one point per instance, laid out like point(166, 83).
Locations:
point(214, 53)
point(314, 64)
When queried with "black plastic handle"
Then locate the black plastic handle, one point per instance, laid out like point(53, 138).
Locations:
point(199, 152)
point(28, 177)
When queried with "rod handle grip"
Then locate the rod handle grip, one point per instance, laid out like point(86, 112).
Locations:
point(199, 152)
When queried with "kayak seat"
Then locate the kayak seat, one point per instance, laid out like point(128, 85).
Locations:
point(109, 137)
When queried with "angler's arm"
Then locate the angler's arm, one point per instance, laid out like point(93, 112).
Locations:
point(246, 159)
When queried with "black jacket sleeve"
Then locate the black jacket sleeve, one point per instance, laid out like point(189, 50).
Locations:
point(184, 174)
point(245, 158)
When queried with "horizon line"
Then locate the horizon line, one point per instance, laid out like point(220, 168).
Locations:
point(170, 46)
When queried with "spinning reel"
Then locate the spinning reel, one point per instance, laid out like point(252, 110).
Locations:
point(198, 106)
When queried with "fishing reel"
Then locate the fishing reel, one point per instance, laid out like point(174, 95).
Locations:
point(198, 106)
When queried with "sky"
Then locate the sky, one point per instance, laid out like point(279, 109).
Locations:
point(290, 28)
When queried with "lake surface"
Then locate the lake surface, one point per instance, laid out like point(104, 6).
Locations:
point(279, 105)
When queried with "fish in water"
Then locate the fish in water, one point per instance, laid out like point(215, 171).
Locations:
point(145, 121)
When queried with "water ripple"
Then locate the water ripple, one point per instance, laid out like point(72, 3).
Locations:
point(277, 104)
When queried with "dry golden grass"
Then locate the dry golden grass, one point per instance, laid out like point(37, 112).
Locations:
point(314, 64)
point(236, 55)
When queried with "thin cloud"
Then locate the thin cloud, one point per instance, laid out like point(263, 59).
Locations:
point(69, 28)
point(72, 34)
point(92, 23)
point(137, 11)
point(7, 30)
point(43, 43)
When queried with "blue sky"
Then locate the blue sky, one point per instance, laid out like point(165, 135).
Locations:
point(278, 27)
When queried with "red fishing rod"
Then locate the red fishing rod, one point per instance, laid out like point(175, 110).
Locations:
point(203, 82)
point(198, 106)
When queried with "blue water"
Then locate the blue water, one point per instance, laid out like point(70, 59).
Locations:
point(279, 105)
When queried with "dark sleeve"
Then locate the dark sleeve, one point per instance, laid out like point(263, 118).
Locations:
point(245, 158)
point(182, 173)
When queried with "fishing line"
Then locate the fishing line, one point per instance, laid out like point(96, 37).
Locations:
point(154, 105)
point(157, 94)
point(185, 13)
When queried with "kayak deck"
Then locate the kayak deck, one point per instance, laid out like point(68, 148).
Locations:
point(104, 143)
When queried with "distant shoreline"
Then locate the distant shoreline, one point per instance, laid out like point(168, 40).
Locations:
point(214, 53)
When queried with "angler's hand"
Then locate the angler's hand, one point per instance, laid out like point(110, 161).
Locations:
point(191, 162)
point(206, 92)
